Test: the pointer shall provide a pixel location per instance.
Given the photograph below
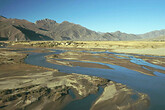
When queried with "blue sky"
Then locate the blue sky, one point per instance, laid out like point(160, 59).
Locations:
point(130, 16)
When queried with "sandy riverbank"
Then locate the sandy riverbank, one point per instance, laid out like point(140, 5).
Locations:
point(24, 86)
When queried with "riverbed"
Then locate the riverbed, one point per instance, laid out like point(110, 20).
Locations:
point(154, 86)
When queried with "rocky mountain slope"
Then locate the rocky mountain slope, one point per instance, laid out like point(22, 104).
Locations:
point(15, 29)
point(46, 29)
point(66, 31)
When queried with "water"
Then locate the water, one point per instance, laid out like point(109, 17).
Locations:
point(71, 93)
point(132, 59)
point(154, 86)
point(85, 103)
point(139, 61)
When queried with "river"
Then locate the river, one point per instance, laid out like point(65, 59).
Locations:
point(154, 86)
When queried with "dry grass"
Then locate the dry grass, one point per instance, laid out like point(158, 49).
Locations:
point(138, 47)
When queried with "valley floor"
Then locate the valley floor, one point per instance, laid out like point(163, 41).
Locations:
point(24, 86)
point(136, 47)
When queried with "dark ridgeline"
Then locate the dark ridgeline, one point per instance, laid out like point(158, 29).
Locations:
point(46, 29)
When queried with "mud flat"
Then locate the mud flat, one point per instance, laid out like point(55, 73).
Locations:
point(24, 86)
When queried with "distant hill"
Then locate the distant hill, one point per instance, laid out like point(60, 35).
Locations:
point(153, 34)
point(124, 36)
point(46, 29)
point(66, 31)
point(159, 38)
point(2, 18)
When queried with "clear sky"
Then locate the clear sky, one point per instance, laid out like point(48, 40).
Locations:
point(130, 16)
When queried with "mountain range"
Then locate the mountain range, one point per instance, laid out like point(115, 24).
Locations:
point(46, 29)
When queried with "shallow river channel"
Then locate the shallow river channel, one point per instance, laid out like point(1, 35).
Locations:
point(154, 86)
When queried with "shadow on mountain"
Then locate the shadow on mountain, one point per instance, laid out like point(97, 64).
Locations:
point(43, 29)
point(3, 39)
point(32, 35)
point(65, 38)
